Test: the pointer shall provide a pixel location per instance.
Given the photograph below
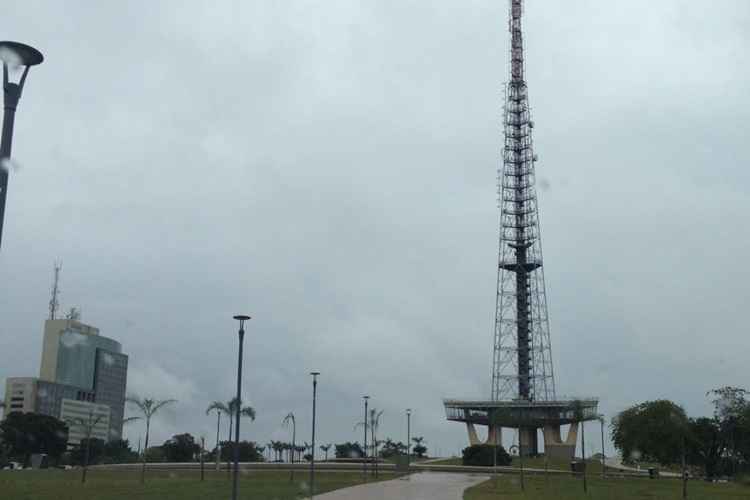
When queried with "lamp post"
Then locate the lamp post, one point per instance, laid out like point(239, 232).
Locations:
point(241, 318)
point(312, 458)
point(364, 462)
point(14, 56)
point(604, 463)
point(408, 438)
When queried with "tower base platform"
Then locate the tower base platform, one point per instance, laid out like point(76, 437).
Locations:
point(527, 417)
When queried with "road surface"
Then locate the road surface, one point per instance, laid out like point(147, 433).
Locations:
point(422, 486)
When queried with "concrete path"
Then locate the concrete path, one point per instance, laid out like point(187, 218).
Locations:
point(616, 463)
point(422, 486)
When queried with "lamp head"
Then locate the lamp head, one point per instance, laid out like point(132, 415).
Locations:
point(17, 59)
point(19, 54)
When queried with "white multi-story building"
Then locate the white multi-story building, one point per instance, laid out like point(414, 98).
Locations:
point(83, 417)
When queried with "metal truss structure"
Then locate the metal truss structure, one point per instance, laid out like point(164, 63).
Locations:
point(522, 354)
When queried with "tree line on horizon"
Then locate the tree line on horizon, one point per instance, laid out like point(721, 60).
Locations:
point(25, 434)
point(661, 432)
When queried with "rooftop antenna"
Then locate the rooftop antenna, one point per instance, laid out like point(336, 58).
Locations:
point(74, 314)
point(54, 304)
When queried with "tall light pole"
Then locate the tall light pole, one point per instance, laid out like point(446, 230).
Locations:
point(408, 438)
point(241, 318)
point(14, 56)
point(604, 463)
point(312, 458)
point(364, 462)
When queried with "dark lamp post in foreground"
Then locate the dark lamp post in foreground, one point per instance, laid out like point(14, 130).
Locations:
point(312, 453)
point(241, 318)
point(16, 57)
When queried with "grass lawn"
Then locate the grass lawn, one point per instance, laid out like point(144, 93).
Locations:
point(593, 466)
point(166, 485)
point(568, 488)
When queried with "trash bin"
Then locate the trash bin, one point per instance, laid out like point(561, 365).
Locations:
point(653, 472)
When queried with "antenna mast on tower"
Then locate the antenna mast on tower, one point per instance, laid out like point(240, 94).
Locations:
point(53, 302)
point(522, 360)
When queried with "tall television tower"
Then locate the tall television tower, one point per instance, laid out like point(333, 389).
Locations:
point(523, 383)
point(522, 359)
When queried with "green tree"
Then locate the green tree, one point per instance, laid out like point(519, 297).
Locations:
point(653, 429)
point(154, 454)
point(219, 408)
point(27, 433)
point(96, 452)
point(419, 448)
point(181, 448)
point(324, 448)
point(290, 420)
point(148, 407)
point(704, 445)
point(348, 450)
point(373, 425)
point(731, 409)
point(481, 455)
point(249, 451)
point(118, 452)
point(230, 409)
point(392, 448)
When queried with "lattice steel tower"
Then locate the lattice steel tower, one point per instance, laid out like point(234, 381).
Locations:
point(522, 359)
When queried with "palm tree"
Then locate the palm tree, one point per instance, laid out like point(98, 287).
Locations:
point(148, 407)
point(219, 408)
point(325, 448)
point(290, 418)
point(373, 425)
point(245, 411)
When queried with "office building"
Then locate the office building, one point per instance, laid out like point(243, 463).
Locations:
point(82, 374)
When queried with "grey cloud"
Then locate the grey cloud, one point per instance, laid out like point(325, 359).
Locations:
point(329, 167)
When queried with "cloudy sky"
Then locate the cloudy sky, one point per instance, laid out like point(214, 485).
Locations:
point(328, 167)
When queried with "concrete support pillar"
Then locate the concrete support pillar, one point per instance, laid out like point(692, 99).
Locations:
point(557, 449)
point(527, 437)
point(572, 438)
point(473, 439)
point(495, 435)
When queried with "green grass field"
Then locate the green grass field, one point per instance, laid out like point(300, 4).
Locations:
point(593, 466)
point(569, 488)
point(166, 485)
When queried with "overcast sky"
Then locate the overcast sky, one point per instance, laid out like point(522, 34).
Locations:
point(329, 167)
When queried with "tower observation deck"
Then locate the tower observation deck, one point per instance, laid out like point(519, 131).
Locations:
point(523, 382)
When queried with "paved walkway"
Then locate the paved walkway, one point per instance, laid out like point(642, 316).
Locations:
point(616, 463)
point(422, 486)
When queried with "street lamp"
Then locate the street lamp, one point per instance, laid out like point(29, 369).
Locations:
point(408, 437)
point(14, 56)
point(364, 462)
point(604, 463)
point(312, 458)
point(241, 318)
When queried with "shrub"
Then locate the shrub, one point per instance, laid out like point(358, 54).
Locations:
point(481, 454)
